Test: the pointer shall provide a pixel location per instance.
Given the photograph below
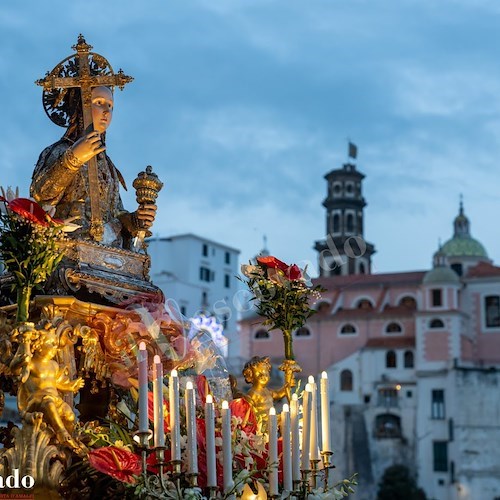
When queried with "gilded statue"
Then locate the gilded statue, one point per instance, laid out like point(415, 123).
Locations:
point(60, 176)
point(41, 380)
point(257, 372)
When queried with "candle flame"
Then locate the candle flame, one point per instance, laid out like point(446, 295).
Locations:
point(309, 388)
point(286, 408)
point(295, 397)
point(272, 411)
point(225, 405)
point(324, 375)
point(189, 385)
point(142, 346)
point(173, 373)
point(310, 379)
point(157, 359)
point(209, 399)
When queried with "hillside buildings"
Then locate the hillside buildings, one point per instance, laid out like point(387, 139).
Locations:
point(413, 357)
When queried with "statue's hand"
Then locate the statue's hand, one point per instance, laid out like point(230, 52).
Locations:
point(87, 147)
point(145, 216)
point(78, 384)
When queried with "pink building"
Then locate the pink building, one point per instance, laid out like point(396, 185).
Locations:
point(413, 357)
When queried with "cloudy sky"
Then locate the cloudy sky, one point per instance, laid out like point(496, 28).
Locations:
point(242, 106)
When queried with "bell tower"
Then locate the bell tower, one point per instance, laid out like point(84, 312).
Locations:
point(344, 251)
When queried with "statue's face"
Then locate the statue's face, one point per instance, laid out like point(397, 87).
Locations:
point(102, 108)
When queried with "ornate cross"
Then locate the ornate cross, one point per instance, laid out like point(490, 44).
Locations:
point(86, 81)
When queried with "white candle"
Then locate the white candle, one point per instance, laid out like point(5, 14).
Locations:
point(314, 454)
point(192, 449)
point(175, 429)
point(306, 428)
point(273, 452)
point(227, 455)
point(159, 432)
point(294, 424)
point(210, 442)
point(142, 362)
point(287, 448)
point(325, 413)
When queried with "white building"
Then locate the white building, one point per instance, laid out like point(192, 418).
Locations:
point(198, 276)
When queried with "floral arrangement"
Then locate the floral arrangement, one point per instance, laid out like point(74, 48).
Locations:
point(29, 244)
point(282, 295)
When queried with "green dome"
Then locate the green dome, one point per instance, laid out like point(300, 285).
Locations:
point(441, 275)
point(464, 246)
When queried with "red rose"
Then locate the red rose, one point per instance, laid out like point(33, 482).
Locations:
point(292, 272)
point(30, 210)
point(116, 462)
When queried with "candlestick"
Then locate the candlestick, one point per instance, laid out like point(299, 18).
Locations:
point(325, 413)
point(287, 452)
point(159, 431)
point(142, 362)
point(175, 429)
point(294, 424)
point(210, 442)
point(314, 452)
point(192, 450)
point(273, 452)
point(227, 454)
point(306, 428)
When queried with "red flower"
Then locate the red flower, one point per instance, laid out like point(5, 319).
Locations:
point(166, 411)
point(292, 272)
point(116, 462)
point(272, 262)
point(243, 409)
point(30, 210)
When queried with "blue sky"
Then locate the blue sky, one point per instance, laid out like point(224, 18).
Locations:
point(242, 107)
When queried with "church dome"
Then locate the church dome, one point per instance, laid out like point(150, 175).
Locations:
point(441, 275)
point(460, 246)
point(463, 244)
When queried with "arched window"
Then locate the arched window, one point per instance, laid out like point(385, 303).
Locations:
point(390, 359)
point(348, 329)
point(350, 223)
point(303, 331)
point(408, 301)
point(436, 323)
point(387, 426)
point(336, 223)
point(393, 328)
point(262, 334)
point(364, 304)
point(346, 380)
point(408, 359)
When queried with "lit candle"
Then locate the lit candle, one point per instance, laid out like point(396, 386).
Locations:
point(314, 420)
point(210, 442)
point(142, 361)
point(175, 429)
point(294, 424)
point(306, 428)
point(227, 455)
point(192, 450)
point(325, 412)
point(159, 432)
point(273, 452)
point(287, 451)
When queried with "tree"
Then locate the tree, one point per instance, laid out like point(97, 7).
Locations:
point(398, 484)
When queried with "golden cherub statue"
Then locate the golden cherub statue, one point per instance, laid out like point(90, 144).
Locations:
point(257, 372)
point(41, 378)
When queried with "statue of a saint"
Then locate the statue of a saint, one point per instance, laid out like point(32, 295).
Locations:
point(105, 260)
point(60, 178)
